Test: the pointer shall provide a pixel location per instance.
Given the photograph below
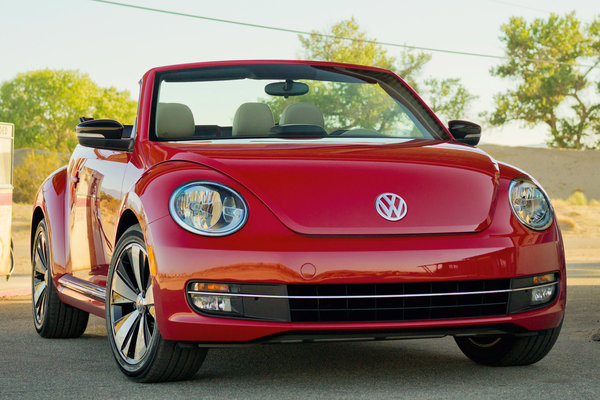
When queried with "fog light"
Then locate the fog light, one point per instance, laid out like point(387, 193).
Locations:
point(542, 295)
point(534, 291)
point(211, 302)
point(207, 297)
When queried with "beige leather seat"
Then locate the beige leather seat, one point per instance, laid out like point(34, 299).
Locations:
point(252, 119)
point(302, 113)
point(174, 120)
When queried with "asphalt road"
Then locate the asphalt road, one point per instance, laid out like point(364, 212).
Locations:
point(35, 368)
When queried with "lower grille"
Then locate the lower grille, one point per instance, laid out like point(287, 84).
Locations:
point(398, 301)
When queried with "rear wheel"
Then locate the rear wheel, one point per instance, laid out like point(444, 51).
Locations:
point(140, 351)
point(508, 350)
point(51, 317)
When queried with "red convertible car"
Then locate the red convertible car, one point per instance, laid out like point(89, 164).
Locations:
point(291, 201)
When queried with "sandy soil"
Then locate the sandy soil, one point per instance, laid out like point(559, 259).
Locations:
point(580, 226)
point(21, 219)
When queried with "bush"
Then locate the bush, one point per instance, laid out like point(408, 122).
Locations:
point(577, 199)
point(29, 176)
point(566, 223)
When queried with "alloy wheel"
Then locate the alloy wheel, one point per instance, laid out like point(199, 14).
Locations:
point(131, 302)
point(40, 276)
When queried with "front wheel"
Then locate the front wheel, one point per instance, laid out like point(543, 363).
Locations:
point(140, 351)
point(508, 350)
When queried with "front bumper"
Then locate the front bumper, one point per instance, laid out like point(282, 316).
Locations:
point(282, 257)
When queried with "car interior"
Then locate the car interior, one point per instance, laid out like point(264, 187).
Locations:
point(176, 121)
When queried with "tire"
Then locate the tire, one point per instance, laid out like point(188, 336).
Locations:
point(51, 317)
point(508, 350)
point(134, 338)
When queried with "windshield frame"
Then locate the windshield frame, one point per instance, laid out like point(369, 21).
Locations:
point(395, 87)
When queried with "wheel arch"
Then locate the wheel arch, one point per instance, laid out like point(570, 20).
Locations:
point(146, 198)
point(37, 216)
point(50, 204)
point(127, 220)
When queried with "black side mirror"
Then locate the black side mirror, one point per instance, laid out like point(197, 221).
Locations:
point(102, 134)
point(465, 132)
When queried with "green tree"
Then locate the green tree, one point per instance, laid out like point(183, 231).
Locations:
point(448, 97)
point(551, 62)
point(594, 35)
point(36, 167)
point(45, 106)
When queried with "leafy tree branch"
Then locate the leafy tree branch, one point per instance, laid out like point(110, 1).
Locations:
point(558, 90)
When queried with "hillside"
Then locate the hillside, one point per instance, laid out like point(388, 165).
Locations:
point(560, 172)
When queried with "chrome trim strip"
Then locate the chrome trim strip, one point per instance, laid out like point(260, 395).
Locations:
point(382, 296)
point(86, 288)
point(91, 135)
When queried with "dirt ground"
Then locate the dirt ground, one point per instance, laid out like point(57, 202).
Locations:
point(580, 227)
point(21, 220)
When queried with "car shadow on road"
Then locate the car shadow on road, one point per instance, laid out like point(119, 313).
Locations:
point(397, 361)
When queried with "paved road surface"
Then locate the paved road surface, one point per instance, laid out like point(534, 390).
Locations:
point(36, 368)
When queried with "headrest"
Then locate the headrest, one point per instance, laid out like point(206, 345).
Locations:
point(252, 119)
point(302, 113)
point(174, 120)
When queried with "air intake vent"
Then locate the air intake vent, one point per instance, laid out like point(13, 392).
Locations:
point(398, 301)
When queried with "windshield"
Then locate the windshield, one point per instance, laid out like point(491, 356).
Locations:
point(287, 100)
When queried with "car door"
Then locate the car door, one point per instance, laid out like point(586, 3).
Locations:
point(96, 177)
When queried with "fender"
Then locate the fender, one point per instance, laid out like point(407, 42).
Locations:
point(51, 199)
point(510, 172)
point(148, 198)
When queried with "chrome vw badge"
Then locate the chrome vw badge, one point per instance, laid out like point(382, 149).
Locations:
point(391, 206)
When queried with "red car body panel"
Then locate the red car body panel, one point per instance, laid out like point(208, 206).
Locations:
point(272, 254)
point(459, 226)
point(423, 171)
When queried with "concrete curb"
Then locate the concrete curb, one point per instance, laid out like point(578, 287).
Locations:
point(17, 285)
point(14, 293)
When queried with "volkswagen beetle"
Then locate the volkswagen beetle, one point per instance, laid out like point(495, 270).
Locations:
point(291, 201)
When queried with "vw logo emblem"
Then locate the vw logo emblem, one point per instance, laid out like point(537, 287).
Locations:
point(391, 206)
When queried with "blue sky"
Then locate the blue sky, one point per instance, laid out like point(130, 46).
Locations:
point(116, 45)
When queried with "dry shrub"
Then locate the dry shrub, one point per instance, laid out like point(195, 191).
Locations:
point(566, 223)
point(577, 199)
point(31, 173)
point(558, 203)
point(594, 203)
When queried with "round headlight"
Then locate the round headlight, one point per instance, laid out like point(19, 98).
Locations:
point(529, 204)
point(208, 208)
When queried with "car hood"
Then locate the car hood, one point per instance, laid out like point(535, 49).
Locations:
point(330, 187)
